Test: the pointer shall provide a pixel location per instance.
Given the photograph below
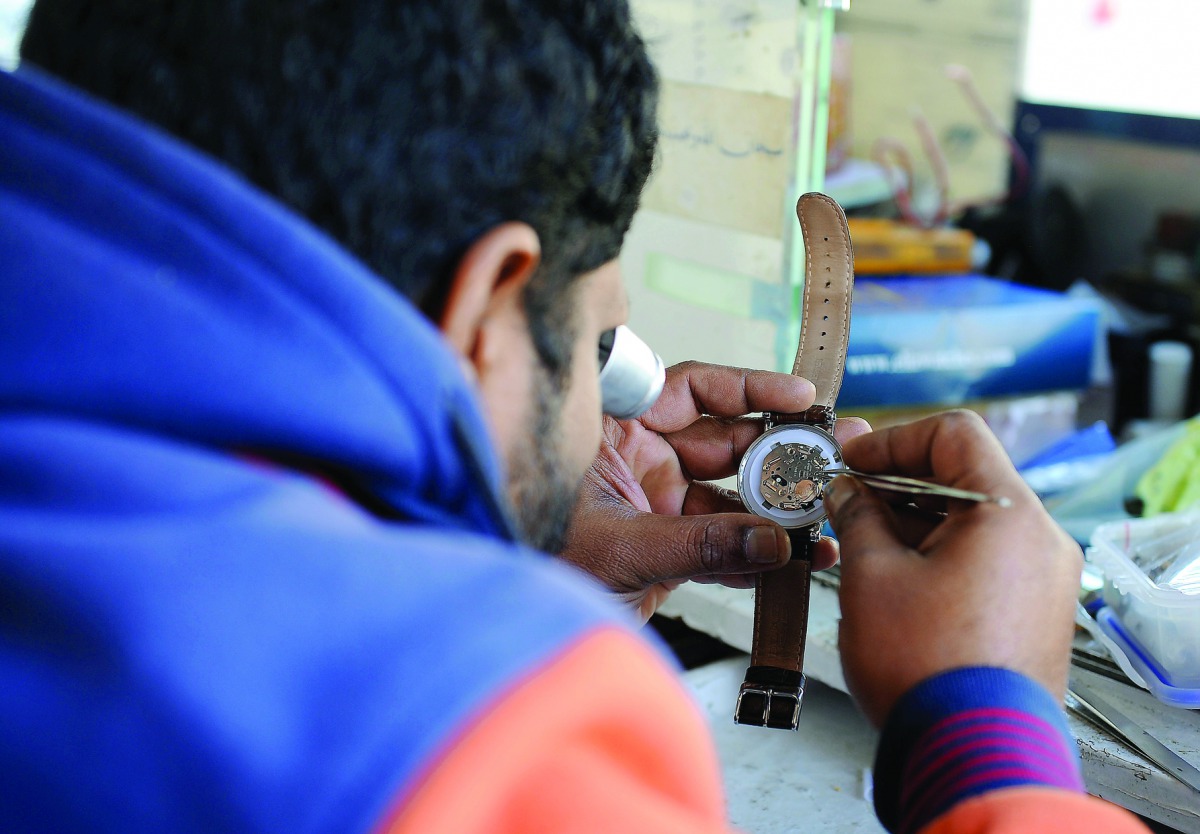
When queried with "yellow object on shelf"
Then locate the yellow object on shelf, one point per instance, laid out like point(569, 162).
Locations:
point(885, 247)
point(1173, 484)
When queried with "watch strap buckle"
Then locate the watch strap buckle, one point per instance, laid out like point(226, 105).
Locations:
point(769, 705)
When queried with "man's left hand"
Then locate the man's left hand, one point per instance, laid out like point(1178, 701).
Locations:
point(647, 519)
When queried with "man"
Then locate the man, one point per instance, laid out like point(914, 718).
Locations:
point(259, 557)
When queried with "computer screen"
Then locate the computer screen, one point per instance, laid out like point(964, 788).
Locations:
point(1130, 56)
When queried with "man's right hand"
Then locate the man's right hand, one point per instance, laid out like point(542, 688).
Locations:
point(951, 584)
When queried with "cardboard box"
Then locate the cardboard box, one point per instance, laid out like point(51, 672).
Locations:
point(953, 339)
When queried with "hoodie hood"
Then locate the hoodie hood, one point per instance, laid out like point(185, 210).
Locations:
point(147, 287)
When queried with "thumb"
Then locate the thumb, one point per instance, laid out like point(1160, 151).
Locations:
point(683, 547)
point(864, 525)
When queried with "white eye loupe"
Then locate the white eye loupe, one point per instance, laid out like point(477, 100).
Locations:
point(631, 374)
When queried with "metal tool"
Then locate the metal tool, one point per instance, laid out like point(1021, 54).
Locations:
point(897, 483)
point(1082, 700)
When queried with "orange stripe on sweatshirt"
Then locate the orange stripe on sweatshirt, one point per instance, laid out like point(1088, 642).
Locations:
point(601, 739)
point(1034, 811)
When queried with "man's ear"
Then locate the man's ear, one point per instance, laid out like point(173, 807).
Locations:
point(486, 295)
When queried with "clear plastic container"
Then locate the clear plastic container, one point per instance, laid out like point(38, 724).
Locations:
point(1151, 570)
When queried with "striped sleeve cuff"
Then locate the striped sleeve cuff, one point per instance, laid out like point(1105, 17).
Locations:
point(964, 733)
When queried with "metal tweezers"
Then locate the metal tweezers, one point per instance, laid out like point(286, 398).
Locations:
point(1083, 701)
point(896, 483)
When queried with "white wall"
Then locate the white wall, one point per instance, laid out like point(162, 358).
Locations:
point(12, 23)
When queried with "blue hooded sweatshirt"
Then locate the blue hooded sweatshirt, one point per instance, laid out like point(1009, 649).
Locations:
point(197, 633)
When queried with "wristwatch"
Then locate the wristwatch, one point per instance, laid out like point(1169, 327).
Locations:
point(780, 476)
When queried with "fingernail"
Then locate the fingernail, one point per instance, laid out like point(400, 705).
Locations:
point(761, 545)
point(837, 492)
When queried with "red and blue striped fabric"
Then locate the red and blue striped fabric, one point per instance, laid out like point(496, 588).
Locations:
point(966, 733)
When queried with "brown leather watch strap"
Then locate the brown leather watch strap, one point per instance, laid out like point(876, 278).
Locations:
point(828, 287)
point(773, 690)
point(779, 640)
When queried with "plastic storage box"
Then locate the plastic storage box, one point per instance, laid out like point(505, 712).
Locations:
point(1151, 570)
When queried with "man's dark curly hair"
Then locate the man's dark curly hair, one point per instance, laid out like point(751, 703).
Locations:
point(404, 128)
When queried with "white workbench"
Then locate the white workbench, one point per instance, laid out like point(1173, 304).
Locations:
point(813, 781)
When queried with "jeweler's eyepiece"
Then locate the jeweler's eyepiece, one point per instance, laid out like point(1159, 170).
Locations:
point(631, 374)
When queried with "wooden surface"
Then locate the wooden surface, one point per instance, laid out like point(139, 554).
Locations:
point(1111, 770)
